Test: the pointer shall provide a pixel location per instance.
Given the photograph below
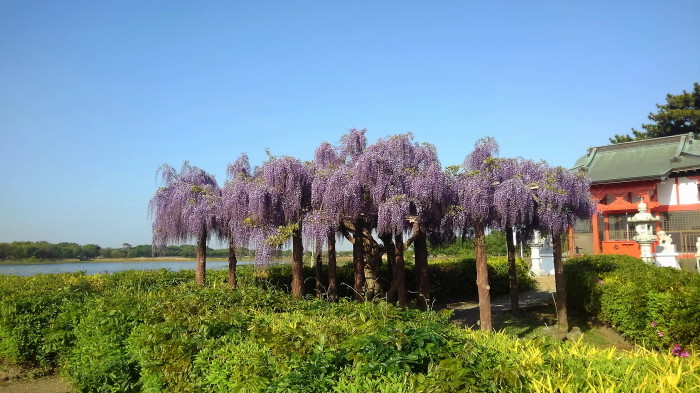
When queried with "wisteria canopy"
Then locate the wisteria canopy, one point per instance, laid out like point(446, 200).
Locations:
point(388, 184)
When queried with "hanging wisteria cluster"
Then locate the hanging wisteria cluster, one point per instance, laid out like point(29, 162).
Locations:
point(186, 206)
point(235, 204)
point(563, 197)
point(278, 197)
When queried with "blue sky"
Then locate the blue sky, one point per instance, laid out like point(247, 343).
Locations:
point(95, 95)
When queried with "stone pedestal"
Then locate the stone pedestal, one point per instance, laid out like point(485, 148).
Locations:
point(667, 260)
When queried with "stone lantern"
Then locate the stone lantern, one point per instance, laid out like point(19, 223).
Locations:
point(645, 233)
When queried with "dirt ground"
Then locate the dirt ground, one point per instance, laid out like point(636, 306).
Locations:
point(537, 311)
point(466, 312)
point(18, 380)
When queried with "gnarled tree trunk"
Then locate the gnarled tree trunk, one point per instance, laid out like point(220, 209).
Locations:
point(400, 271)
point(373, 262)
point(297, 264)
point(391, 261)
point(358, 260)
point(559, 283)
point(332, 281)
point(482, 277)
point(512, 272)
point(318, 265)
point(420, 246)
point(201, 266)
point(232, 261)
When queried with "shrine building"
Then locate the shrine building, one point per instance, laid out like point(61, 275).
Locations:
point(663, 172)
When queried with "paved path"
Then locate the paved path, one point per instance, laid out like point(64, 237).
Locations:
point(466, 314)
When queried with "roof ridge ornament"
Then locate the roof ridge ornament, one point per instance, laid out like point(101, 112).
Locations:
point(681, 146)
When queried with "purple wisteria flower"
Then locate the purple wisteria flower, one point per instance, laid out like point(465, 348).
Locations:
point(679, 351)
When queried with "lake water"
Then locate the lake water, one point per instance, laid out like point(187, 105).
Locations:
point(108, 267)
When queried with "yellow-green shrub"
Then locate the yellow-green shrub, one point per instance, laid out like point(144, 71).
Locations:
point(178, 337)
point(650, 305)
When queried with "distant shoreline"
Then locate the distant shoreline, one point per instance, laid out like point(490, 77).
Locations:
point(114, 260)
point(340, 259)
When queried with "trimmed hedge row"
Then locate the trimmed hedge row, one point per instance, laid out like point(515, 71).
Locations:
point(447, 279)
point(157, 332)
point(652, 306)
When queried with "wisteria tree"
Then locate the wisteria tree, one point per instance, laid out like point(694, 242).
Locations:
point(406, 187)
point(235, 211)
point(475, 189)
point(321, 224)
point(392, 187)
point(280, 199)
point(345, 205)
point(185, 208)
point(562, 197)
point(514, 201)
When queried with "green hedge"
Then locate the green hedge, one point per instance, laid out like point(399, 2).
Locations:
point(447, 279)
point(157, 332)
point(649, 305)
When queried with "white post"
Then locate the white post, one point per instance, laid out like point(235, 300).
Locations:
point(697, 256)
point(536, 259)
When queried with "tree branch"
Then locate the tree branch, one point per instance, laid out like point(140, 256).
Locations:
point(345, 232)
point(414, 234)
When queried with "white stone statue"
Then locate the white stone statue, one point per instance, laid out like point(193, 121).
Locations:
point(666, 251)
point(697, 255)
point(665, 239)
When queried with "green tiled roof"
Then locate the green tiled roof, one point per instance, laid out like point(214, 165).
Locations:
point(641, 160)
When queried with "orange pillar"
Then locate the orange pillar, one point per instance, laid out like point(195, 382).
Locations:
point(572, 249)
point(596, 235)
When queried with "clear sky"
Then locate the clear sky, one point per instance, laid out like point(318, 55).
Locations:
point(95, 95)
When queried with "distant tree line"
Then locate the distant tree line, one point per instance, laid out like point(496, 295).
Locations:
point(24, 250)
point(42, 250)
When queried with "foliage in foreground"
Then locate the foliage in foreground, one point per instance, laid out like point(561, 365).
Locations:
point(155, 331)
point(652, 306)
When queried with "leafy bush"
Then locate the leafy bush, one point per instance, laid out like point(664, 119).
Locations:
point(495, 243)
point(99, 360)
point(154, 332)
point(456, 279)
point(448, 279)
point(33, 327)
point(583, 275)
point(652, 306)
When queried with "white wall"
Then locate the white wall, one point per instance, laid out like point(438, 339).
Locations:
point(667, 192)
point(685, 192)
point(688, 191)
